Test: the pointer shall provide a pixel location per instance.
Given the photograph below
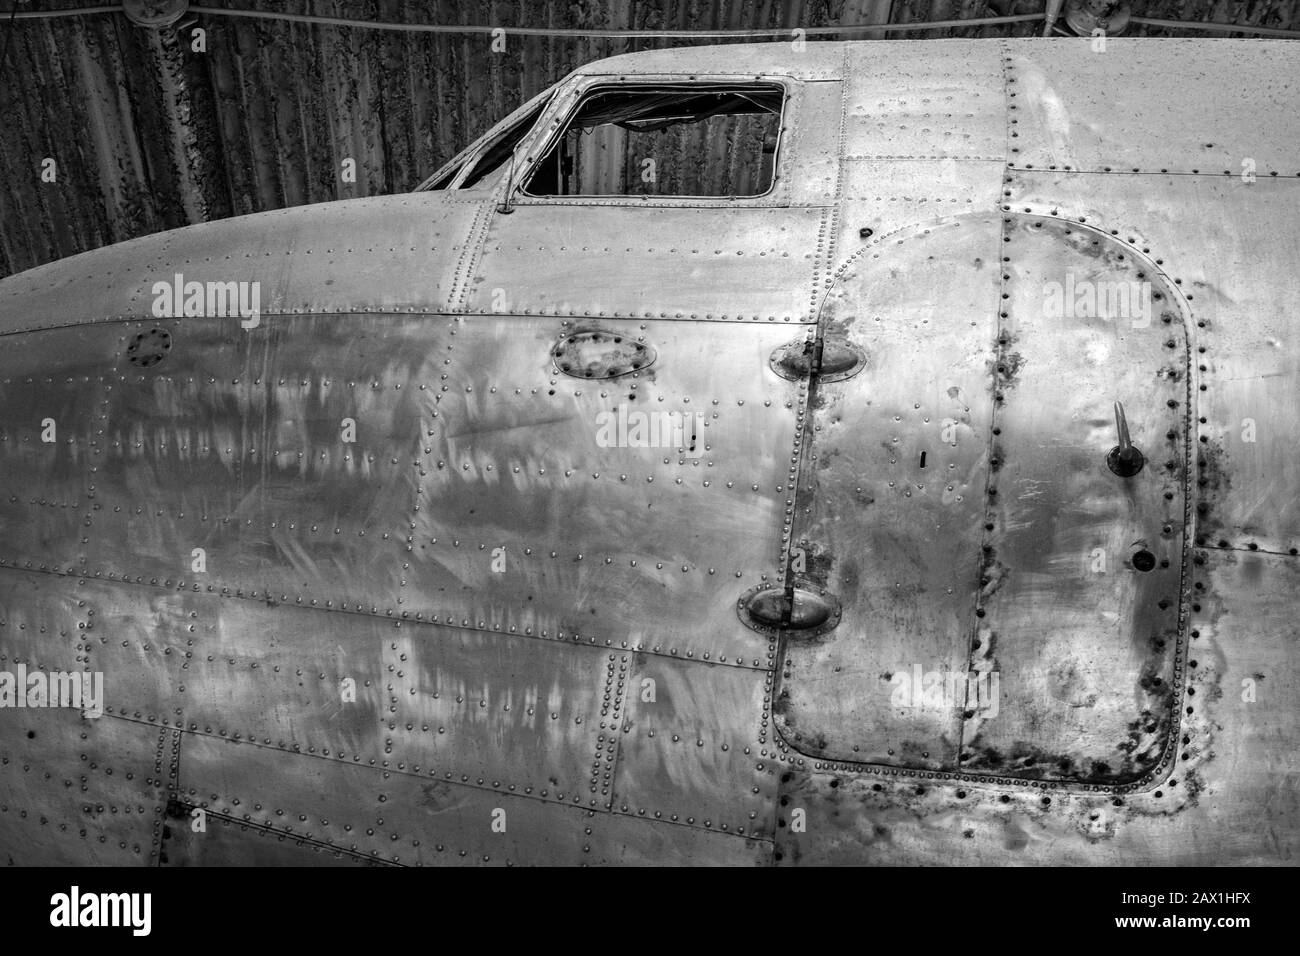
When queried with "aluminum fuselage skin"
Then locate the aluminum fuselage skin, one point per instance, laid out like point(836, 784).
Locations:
point(370, 573)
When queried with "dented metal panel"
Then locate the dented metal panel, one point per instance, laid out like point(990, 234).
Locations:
point(551, 507)
point(696, 747)
point(49, 423)
point(226, 843)
point(271, 464)
point(882, 196)
point(479, 709)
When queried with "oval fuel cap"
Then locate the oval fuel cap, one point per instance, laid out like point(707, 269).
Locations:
point(769, 609)
point(599, 353)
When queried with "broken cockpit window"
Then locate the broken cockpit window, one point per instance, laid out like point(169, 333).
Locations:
point(696, 139)
point(478, 166)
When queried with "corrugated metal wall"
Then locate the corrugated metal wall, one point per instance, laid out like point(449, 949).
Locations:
point(148, 134)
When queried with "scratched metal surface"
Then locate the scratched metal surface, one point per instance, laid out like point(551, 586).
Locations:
point(598, 742)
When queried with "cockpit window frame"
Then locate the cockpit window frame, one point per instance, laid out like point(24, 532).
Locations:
point(464, 162)
point(710, 84)
point(555, 119)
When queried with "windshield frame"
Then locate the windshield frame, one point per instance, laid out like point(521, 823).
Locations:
point(454, 172)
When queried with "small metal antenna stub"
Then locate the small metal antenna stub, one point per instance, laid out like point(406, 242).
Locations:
point(1124, 459)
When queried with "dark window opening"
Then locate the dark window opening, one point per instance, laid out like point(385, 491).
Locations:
point(696, 140)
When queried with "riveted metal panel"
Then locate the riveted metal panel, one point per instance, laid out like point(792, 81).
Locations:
point(43, 624)
point(640, 261)
point(279, 460)
point(482, 709)
point(696, 746)
point(391, 253)
point(50, 416)
point(227, 843)
point(1237, 272)
point(895, 536)
point(884, 195)
point(815, 123)
point(901, 106)
point(1228, 766)
point(409, 820)
point(1085, 641)
point(494, 711)
point(77, 791)
point(239, 668)
point(1084, 108)
point(628, 513)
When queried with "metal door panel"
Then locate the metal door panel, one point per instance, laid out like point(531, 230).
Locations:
point(989, 571)
point(896, 538)
point(1083, 639)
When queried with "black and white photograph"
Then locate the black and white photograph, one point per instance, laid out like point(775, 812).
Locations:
point(680, 434)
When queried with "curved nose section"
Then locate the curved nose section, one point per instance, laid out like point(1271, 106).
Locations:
point(381, 254)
